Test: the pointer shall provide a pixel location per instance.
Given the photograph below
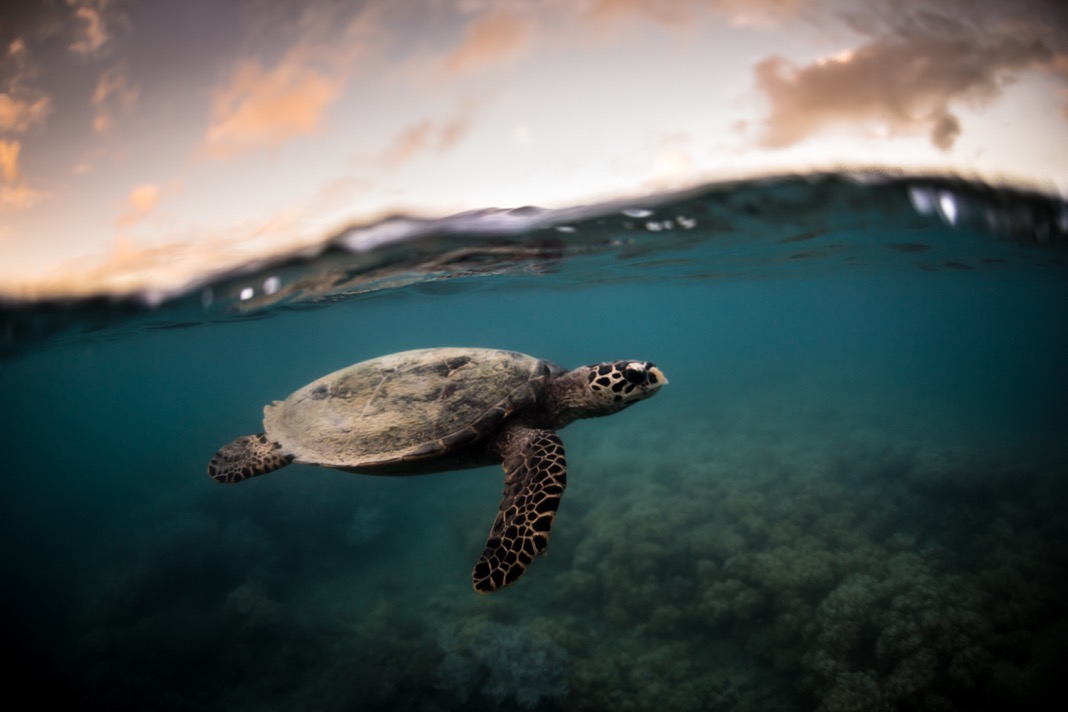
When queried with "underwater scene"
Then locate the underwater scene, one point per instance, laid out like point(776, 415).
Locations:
point(852, 494)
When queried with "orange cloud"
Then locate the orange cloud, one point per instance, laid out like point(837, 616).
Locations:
point(667, 12)
point(904, 84)
point(267, 108)
point(503, 32)
point(18, 197)
point(93, 31)
point(492, 39)
point(113, 95)
point(9, 160)
point(426, 136)
point(140, 203)
point(21, 106)
point(683, 15)
point(19, 114)
point(264, 107)
point(15, 194)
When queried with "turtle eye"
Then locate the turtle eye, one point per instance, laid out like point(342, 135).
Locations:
point(634, 373)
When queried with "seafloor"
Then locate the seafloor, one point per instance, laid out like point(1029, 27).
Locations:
point(761, 556)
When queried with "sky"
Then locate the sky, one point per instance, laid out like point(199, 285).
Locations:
point(152, 142)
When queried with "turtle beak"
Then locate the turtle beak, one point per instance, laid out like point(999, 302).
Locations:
point(657, 377)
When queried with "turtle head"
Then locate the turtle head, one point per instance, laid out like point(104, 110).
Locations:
point(612, 386)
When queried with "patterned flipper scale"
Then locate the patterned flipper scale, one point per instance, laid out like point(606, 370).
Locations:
point(246, 457)
point(535, 477)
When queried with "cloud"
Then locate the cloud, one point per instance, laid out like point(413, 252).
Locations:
point(903, 84)
point(92, 31)
point(500, 32)
point(19, 197)
point(669, 12)
point(18, 114)
point(430, 135)
point(920, 63)
point(498, 37)
point(9, 160)
point(15, 194)
point(22, 107)
point(140, 203)
point(113, 95)
point(427, 136)
point(1045, 20)
point(261, 106)
point(684, 14)
point(945, 130)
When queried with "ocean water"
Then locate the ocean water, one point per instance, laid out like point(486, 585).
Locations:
point(851, 496)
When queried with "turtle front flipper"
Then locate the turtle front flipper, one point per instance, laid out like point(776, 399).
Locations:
point(535, 477)
point(248, 456)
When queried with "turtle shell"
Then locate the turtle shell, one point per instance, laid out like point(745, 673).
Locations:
point(407, 406)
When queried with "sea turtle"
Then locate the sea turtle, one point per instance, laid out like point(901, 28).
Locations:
point(432, 410)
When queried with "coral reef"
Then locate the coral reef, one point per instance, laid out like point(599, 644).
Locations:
point(856, 579)
point(822, 567)
point(502, 662)
point(250, 602)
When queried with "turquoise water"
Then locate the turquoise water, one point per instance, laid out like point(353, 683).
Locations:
point(851, 495)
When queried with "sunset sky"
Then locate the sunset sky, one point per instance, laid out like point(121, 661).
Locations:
point(154, 140)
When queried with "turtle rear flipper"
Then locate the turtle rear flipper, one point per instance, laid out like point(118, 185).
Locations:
point(248, 456)
point(536, 474)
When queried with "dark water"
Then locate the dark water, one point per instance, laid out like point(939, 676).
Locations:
point(851, 496)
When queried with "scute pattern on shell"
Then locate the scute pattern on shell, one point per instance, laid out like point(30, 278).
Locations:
point(410, 404)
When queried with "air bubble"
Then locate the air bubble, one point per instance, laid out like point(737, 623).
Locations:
point(922, 200)
point(947, 207)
